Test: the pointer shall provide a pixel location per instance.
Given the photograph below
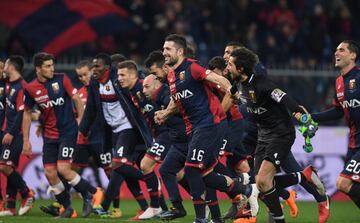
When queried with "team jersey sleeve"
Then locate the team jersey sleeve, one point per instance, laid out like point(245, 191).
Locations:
point(269, 89)
point(198, 72)
point(330, 114)
point(29, 102)
point(335, 102)
point(69, 88)
point(164, 98)
point(20, 100)
point(280, 96)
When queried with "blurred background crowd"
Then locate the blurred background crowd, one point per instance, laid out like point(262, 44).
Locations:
point(290, 36)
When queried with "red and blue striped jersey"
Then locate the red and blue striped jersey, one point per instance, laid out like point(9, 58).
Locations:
point(233, 114)
point(2, 100)
point(199, 106)
point(14, 92)
point(175, 123)
point(54, 101)
point(348, 98)
point(146, 107)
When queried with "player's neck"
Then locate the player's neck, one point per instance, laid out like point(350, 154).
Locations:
point(14, 76)
point(346, 69)
point(41, 79)
point(178, 63)
point(133, 83)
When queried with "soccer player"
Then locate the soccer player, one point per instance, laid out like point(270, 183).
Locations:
point(113, 106)
point(116, 59)
point(54, 94)
point(93, 145)
point(289, 164)
point(2, 115)
point(155, 88)
point(268, 106)
point(84, 149)
point(233, 148)
point(205, 121)
point(170, 169)
point(128, 79)
point(346, 104)
point(11, 145)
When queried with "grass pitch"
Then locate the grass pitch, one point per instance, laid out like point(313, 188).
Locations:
point(341, 212)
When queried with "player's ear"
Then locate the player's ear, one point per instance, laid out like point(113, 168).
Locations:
point(240, 70)
point(353, 56)
point(37, 70)
point(181, 51)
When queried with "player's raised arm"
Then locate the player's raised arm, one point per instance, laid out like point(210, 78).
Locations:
point(222, 82)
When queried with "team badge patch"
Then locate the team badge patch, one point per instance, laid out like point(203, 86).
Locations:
point(55, 87)
point(107, 87)
point(252, 96)
point(277, 95)
point(352, 84)
point(182, 75)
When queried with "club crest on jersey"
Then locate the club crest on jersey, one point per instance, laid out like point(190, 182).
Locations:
point(352, 84)
point(12, 92)
point(1, 91)
point(55, 87)
point(182, 75)
point(252, 96)
point(107, 87)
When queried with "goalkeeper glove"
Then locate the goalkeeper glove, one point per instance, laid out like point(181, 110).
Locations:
point(309, 127)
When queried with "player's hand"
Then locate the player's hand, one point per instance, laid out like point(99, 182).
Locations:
point(7, 140)
point(27, 151)
point(309, 127)
point(160, 117)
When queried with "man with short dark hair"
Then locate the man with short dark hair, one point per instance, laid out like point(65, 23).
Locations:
point(12, 138)
point(111, 104)
point(155, 87)
point(346, 104)
point(54, 95)
point(268, 106)
point(2, 114)
point(205, 123)
point(116, 59)
point(129, 79)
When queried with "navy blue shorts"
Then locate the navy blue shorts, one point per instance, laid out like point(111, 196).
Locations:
point(160, 147)
point(58, 150)
point(124, 144)
point(175, 158)
point(352, 165)
point(95, 150)
point(10, 154)
point(204, 146)
point(233, 141)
